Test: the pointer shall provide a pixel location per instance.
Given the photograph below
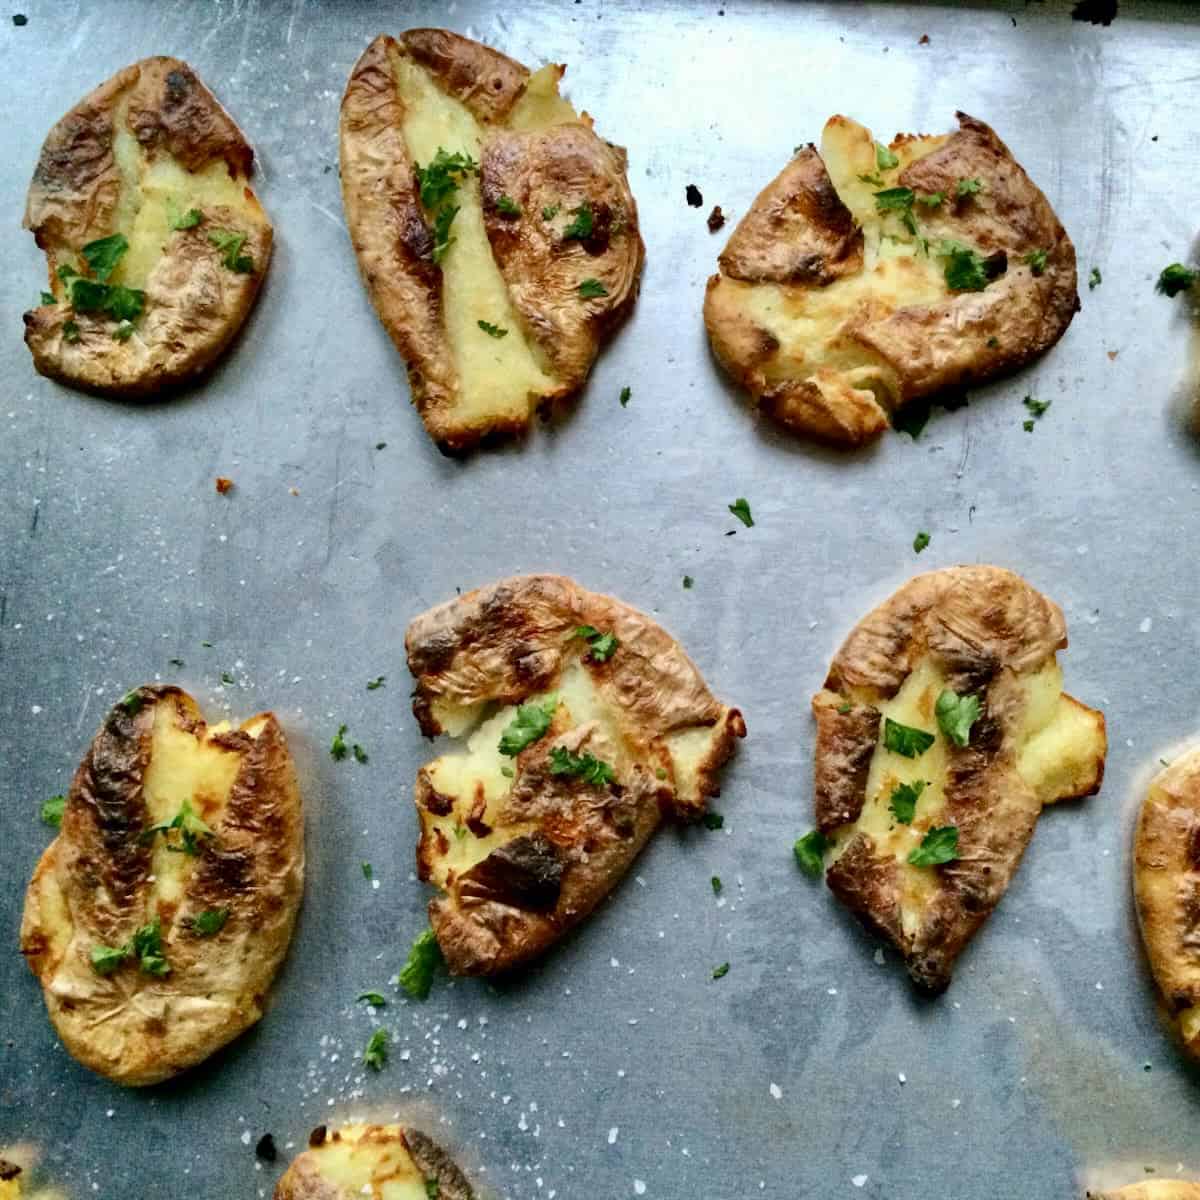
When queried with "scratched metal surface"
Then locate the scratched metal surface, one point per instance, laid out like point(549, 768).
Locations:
point(810, 1070)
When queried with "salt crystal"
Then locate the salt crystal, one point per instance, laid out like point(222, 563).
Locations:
point(776, 1091)
point(612, 1136)
point(860, 1180)
point(639, 1187)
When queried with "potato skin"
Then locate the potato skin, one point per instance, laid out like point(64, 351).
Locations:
point(1152, 1189)
point(506, 643)
point(194, 306)
point(982, 626)
point(1166, 882)
point(134, 1028)
point(796, 235)
point(394, 242)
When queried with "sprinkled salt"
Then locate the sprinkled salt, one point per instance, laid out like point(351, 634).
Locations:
point(776, 1092)
point(612, 1136)
point(860, 1180)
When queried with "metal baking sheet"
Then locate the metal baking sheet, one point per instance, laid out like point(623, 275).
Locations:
point(618, 1067)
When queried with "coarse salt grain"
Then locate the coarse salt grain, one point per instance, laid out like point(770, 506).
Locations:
point(860, 1180)
point(639, 1187)
point(612, 1136)
point(776, 1091)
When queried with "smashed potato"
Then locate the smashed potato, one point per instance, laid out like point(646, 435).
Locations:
point(585, 724)
point(155, 245)
point(1166, 884)
point(942, 731)
point(496, 233)
point(157, 919)
point(1152, 1189)
point(865, 276)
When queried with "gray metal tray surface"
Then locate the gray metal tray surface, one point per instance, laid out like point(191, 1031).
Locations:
point(618, 1066)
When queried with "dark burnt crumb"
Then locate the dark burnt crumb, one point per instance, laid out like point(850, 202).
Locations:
point(1098, 12)
point(18, 20)
point(224, 486)
point(716, 219)
point(923, 40)
point(265, 1149)
point(327, 168)
point(694, 198)
point(1154, 138)
point(9, 1170)
point(317, 1137)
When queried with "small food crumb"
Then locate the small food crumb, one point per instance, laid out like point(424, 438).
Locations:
point(879, 957)
point(612, 1136)
point(293, 491)
point(639, 1187)
point(776, 1091)
point(317, 1137)
point(224, 485)
point(265, 1149)
point(1112, 355)
point(860, 1180)
point(694, 198)
point(902, 1077)
point(716, 219)
point(923, 40)
point(20, 19)
point(245, 1137)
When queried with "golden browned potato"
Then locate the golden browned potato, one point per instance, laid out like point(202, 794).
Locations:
point(496, 233)
point(585, 724)
point(942, 730)
point(1166, 884)
point(387, 1162)
point(156, 920)
point(864, 277)
point(1152, 1189)
point(10, 1180)
point(155, 244)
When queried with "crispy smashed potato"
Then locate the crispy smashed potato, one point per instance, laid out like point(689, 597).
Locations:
point(942, 731)
point(496, 233)
point(864, 277)
point(156, 920)
point(1166, 884)
point(585, 725)
point(155, 244)
point(1152, 1189)
point(388, 1162)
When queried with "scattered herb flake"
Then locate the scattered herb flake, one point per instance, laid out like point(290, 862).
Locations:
point(416, 976)
point(507, 772)
point(904, 739)
point(626, 393)
point(439, 180)
point(230, 243)
point(376, 1053)
point(442, 220)
point(104, 253)
point(48, 298)
point(601, 646)
point(583, 766)
point(920, 541)
point(492, 330)
point(713, 820)
point(1027, 426)
point(956, 714)
point(360, 755)
point(590, 289)
point(530, 723)
point(131, 702)
point(376, 683)
point(506, 206)
point(368, 871)
point(211, 921)
point(70, 331)
point(717, 885)
point(106, 959)
point(809, 852)
point(885, 160)
point(897, 199)
point(688, 581)
point(581, 227)
point(1175, 279)
point(1035, 260)
point(968, 187)
point(938, 846)
point(226, 678)
point(741, 509)
point(551, 211)
point(1036, 408)
point(1095, 279)
point(374, 999)
point(903, 803)
point(721, 971)
point(933, 200)
point(182, 220)
point(52, 810)
point(337, 748)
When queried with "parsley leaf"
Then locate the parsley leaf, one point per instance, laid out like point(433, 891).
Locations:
point(190, 826)
point(955, 716)
point(810, 852)
point(182, 220)
point(966, 270)
point(1027, 426)
point(920, 541)
point(49, 298)
point(933, 200)
point(433, 1189)
point(583, 766)
point(894, 199)
point(721, 971)
point(688, 581)
point(104, 253)
point(968, 187)
point(507, 772)
point(1175, 279)
point(131, 702)
point(374, 999)
point(1036, 408)
point(903, 803)
point(1095, 279)
point(492, 330)
point(230, 244)
point(52, 810)
point(885, 160)
point(122, 303)
point(713, 820)
point(873, 180)
point(442, 241)
point(590, 289)
point(416, 976)
point(146, 946)
point(904, 739)
point(626, 393)
point(376, 683)
point(506, 206)
point(360, 755)
point(717, 885)
point(337, 748)
point(1035, 260)
point(123, 331)
point(70, 331)
point(440, 179)
point(367, 870)
point(211, 921)
point(106, 959)
point(551, 211)
point(530, 723)
point(938, 846)
point(581, 227)
point(601, 646)
point(741, 509)
point(376, 1053)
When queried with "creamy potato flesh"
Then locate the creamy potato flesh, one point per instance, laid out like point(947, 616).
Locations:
point(371, 1161)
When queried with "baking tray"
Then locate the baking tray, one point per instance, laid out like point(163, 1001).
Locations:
point(617, 1064)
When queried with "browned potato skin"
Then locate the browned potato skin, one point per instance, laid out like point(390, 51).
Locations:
point(1152, 1189)
point(1166, 877)
point(194, 306)
point(798, 233)
point(303, 1179)
point(254, 866)
point(506, 643)
point(394, 244)
point(981, 625)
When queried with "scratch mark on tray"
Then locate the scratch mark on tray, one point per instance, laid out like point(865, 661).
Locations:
point(335, 502)
point(37, 510)
point(326, 213)
point(87, 700)
point(3, 607)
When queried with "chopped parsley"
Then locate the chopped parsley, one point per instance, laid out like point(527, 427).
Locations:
point(442, 220)
point(123, 331)
point(360, 755)
point(966, 269)
point(530, 723)
point(1035, 260)
point(713, 820)
point(131, 702)
point(209, 922)
point(583, 766)
point(885, 160)
point(70, 331)
point(376, 683)
point(376, 1053)
point(550, 211)
point(1095, 279)
point(688, 581)
point(506, 206)
point(374, 999)
point(52, 810)
point(581, 227)
point(106, 959)
point(226, 678)
point(933, 200)
point(741, 509)
point(968, 187)
point(1037, 408)
point(49, 298)
point(121, 303)
point(955, 716)
point(721, 971)
point(368, 871)
point(103, 255)
point(717, 885)
point(590, 289)
point(460, 832)
point(939, 845)
point(904, 739)
point(433, 1189)
point(873, 180)
point(1175, 279)
point(182, 220)
point(507, 772)
point(337, 748)
point(416, 976)
point(809, 852)
point(439, 181)
point(601, 646)
point(230, 244)
point(844, 707)
point(1027, 426)
point(920, 541)
point(492, 330)
point(626, 393)
point(145, 946)
point(903, 803)
point(897, 199)
point(189, 826)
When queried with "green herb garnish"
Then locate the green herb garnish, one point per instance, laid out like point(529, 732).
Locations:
point(376, 683)
point(721, 971)
point(713, 820)
point(1036, 408)
point(601, 646)
point(376, 1053)
point(626, 393)
point(49, 298)
point(492, 330)
point(590, 289)
point(897, 199)
point(968, 187)
point(230, 244)
point(1095, 279)
point(1035, 260)
point(551, 211)
point(530, 723)
point(955, 716)
point(182, 220)
point(688, 581)
point(809, 852)
point(103, 255)
point(966, 269)
point(416, 976)
point(583, 766)
point(360, 755)
point(440, 179)
point(717, 885)
point(920, 541)
point(211, 921)
point(938, 846)
point(885, 160)
point(506, 206)
point(70, 332)
point(1175, 279)
point(581, 227)
point(904, 739)
point(337, 748)
point(741, 509)
point(374, 999)
point(189, 826)
point(903, 803)
point(53, 809)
